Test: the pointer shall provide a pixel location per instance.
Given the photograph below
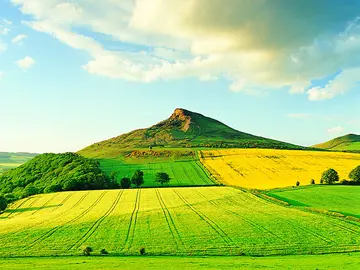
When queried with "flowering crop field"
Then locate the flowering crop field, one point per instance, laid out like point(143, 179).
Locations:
point(169, 221)
point(267, 168)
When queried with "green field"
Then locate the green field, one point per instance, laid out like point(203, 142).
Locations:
point(333, 261)
point(182, 172)
point(12, 160)
point(343, 199)
point(169, 221)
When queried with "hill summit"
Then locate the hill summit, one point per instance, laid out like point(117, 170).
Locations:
point(349, 142)
point(184, 129)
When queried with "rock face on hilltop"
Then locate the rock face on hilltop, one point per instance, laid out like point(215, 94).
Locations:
point(183, 129)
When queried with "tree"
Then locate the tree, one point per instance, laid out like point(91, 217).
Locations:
point(142, 251)
point(330, 176)
point(138, 178)
point(125, 182)
point(3, 203)
point(297, 183)
point(162, 177)
point(355, 174)
point(312, 182)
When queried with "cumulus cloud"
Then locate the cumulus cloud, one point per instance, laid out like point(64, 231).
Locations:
point(255, 44)
point(4, 27)
point(25, 63)
point(19, 39)
point(336, 130)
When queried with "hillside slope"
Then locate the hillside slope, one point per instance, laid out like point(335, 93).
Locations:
point(168, 221)
point(10, 160)
point(183, 129)
point(349, 142)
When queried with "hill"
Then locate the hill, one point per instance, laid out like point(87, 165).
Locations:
point(53, 172)
point(10, 160)
point(171, 221)
point(350, 142)
point(183, 129)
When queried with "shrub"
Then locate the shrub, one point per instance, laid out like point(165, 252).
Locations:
point(330, 176)
point(125, 182)
point(104, 252)
point(142, 251)
point(297, 183)
point(312, 182)
point(53, 188)
point(354, 175)
point(87, 251)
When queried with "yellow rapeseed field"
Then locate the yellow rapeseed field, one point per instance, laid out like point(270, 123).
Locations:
point(267, 168)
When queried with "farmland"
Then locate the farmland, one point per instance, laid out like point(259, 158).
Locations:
point(333, 261)
point(169, 221)
point(266, 169)
point(13, 160)
point(182, 172)
point(343, 199)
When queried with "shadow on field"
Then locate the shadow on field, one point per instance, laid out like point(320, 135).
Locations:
point(20, 210)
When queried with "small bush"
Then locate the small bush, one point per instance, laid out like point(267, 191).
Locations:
point(87, 251)
point(297, 183)
point(104, 252)
point(3, 203)
point(142, 251)
point(312, 182)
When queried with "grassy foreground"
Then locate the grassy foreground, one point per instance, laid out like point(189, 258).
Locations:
point(267, 169)
point(169, 221)
point(343, 199)
point(333, 261)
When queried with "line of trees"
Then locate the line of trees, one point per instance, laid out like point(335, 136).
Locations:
point(331, 176)
point(138, 179)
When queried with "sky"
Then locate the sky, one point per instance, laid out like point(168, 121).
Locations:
point(76, 72)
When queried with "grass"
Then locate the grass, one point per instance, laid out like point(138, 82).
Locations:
point(181, 172)
point(333, 261)
point(267, 169)
point(350, 142)
point(343, 199)
point(12, 160)
point(171, 221)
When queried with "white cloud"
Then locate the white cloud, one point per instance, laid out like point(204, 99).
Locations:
point(3, 47)
point(4, 30)
point(257, 45)
point(334, 130)
point(25, 63)
point(19, 39)
point(300, 115)
point(346, 80)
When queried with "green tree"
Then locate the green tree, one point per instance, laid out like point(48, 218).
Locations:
point(138, 178)
point(297, 183)
point(3, 203)
point(162, 177)
point(355, 174)
point(312, 182)
point(125, 182)
point(330, 176)
point(87, 251)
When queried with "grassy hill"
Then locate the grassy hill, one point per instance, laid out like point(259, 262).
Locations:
point(168, 221)
point(350, 142)
point(182, 129)
point(12, 160)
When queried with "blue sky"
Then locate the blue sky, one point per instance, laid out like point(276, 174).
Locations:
point(74, 73)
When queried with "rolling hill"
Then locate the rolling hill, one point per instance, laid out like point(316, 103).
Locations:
point(349, 142)
point(183, 129)
point(12, 160)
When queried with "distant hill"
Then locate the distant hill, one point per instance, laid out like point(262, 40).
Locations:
point(350, 142)
point(183, 129)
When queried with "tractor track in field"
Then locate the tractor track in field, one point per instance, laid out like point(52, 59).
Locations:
point(309, 231)
point(97, 223)
point(132, 224)
point(247, 220)
point(29, 206)
point(17, 207)
point(169, 220)
point(187, 175)
point(55, 229)
point(45, 204)
point(210, 222)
